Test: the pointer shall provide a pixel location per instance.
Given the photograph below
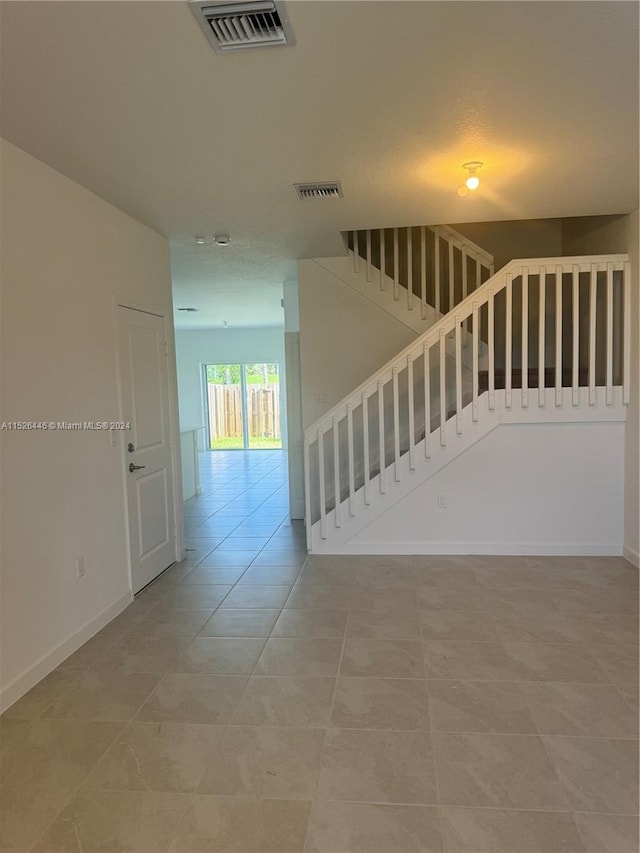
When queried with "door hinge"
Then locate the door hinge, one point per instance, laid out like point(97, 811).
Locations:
point(171, 442)
point(166, 349)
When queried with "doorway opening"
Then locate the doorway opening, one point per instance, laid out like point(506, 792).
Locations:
point(243, 406)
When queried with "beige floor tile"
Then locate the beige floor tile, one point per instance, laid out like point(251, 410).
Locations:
point(377, 766)
point(172, 623)
point(538, 627)
point(503, 771)
point(240, 623)
point(473, 600)
point(33, 704)
point(300, 656)
point(479, 661)
point(105, 696)
point(608, 833)
point(142, 654)
point(230, 655)
point(206, 577)
point(596, 710)
point(364, 828)
point(11, 733)
point(479, 706)
point(199, 597)
point(549, 662)
point(180, 698)
point(272, 556)
point(457, 625)
point(336, 572)
point(382, 658)
point(631, 694)
point(319, 597)
point(284, 701)
point(223, 559)
point(589, 601)
point(467, 830)
point(265, 763)
point(380, 703)
point(603, 628)
point(598, 774)
point(390, 624)
point(157, 757)
point(226, 825)
point(327, 624)
point(249, 597)
point(27, 813)
point(372, 597)
point(270, 575)
point(619, 662)
point(56, 753)
point(114, 820)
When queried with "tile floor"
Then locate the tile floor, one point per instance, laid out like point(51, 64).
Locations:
point(250, 701)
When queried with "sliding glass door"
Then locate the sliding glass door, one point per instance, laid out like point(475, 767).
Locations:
point(243, 403)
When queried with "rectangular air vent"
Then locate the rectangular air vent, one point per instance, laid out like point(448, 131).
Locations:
point(328, 189)
point(234, 26)
point(189, 310)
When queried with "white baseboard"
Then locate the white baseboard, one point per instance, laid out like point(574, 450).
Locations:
point(539, 549)
point(48, 662)
point(632, 556)
point(296, 510)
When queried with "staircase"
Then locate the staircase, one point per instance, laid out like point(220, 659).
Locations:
point(541, 340)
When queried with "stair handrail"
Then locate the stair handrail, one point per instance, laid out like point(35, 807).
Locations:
point(460, 241)
point(463, 310)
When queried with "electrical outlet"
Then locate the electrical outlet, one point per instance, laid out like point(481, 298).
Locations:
point(81, 568)
point(441, 501)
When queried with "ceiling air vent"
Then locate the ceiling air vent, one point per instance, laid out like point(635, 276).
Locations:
point(329, 189)
point(234, 26)
point(188, 310)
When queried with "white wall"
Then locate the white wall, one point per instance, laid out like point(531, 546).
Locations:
point(344, 338)
point(524, 238)
point(228, 346)
point(522, 489)
point(65, 253)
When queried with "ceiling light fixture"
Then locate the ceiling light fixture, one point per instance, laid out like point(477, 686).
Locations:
point(200, 241)
point(473, 181)
point(222, 239)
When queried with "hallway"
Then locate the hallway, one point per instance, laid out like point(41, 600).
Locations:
point(250, 701)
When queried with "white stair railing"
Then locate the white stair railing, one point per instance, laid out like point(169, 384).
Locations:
point(433, 264)
point(548, 323)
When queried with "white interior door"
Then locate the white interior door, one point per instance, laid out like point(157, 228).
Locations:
point(142, 360)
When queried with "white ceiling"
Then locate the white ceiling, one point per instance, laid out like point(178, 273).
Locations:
point(130, 100)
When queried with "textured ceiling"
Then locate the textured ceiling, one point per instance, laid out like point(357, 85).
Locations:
point(130, 100)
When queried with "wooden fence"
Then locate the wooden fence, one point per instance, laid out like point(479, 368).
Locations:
point(225, 411)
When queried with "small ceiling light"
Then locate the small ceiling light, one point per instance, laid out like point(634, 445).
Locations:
point(200, 241)
point(473, 181)
point(222, 239)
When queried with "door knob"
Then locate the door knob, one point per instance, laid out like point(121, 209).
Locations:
point(131, 447)
point(133, 467)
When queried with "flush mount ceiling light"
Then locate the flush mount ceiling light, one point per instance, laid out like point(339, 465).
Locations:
point(200, 241)
point(222, 239)
point(473, 181)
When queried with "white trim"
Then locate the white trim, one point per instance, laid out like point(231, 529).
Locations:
point(48, 662)
point(551, 549)
point(632, 556)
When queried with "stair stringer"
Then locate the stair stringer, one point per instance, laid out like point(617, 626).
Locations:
point(407, 480)
point(342, 269)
